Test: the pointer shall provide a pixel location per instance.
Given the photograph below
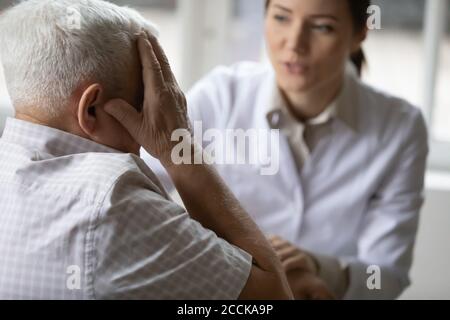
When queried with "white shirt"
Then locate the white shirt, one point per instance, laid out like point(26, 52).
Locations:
point(79, 220)
point(280, 117)
point(359, 194)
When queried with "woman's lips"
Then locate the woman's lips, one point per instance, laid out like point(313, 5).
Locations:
point(295, 68)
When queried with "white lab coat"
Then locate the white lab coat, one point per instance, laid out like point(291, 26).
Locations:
point(359, 195)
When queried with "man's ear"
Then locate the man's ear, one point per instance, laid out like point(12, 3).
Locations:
point(87, 108)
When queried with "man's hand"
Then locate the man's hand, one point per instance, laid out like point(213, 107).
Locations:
point(164, 109)
point(301, 270)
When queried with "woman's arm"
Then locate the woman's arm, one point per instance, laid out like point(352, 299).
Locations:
point(388, 231)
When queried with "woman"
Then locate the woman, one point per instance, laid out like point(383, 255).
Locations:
point(345, 202)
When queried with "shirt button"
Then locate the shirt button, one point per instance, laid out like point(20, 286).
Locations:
point(275, 120)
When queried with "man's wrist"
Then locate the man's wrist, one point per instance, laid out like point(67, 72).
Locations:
point(193, 155)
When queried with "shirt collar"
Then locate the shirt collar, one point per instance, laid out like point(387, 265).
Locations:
point(49, 140)
point(349, 101)
point(341, 108)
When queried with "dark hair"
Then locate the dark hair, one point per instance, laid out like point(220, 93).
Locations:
point(358, 11)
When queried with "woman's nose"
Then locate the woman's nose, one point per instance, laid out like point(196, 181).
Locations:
point(298, 39)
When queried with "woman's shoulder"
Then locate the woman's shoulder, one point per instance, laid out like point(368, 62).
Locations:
point(378, 104)
point(225, 89)
point(387, 113)
point(242, 70)
point(246, 74)
point(380, 100)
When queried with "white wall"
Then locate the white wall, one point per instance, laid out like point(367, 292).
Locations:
point(5, 103)
point(5, 111)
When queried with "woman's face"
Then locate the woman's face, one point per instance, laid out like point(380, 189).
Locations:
point(309, 42)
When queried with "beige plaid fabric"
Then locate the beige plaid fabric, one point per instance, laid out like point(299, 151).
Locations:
point(79, 220)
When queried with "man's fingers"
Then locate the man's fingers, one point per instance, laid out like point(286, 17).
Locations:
point(163, 61)
point(125, 114)
point(151, 69)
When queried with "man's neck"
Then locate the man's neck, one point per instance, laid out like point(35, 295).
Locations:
point(32, 119)
point(56, 123)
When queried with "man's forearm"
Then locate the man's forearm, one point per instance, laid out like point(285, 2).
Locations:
point(209, 201)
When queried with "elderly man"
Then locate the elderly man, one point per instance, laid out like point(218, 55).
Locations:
point(81, 215)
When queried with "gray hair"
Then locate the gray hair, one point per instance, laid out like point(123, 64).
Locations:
point(48, 47)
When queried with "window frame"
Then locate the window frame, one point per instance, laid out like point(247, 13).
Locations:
point(434, 27)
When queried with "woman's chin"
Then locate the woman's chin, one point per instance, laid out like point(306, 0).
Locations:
point(294, 81)
point(299, 86)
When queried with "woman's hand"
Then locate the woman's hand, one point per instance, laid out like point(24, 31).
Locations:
point(301, 270)
point(164, 109)
point(292, 257)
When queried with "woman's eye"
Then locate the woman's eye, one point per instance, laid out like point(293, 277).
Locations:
point(323, 28)
point(280, 18)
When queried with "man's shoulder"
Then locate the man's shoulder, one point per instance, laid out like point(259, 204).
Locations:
point(93, 175)
point(114, 166)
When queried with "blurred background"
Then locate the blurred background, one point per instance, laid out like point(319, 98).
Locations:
point(408, 57)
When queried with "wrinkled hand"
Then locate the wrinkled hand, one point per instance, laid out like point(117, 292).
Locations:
point(164, 109)
point(301, 270)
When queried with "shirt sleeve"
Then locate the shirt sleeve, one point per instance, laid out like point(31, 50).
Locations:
point(147, 247)
point(158, 169)
point(389, 227)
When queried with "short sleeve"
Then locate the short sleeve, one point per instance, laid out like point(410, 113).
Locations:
point(147, 247)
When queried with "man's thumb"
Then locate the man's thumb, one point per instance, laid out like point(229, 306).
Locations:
point(125, 114)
